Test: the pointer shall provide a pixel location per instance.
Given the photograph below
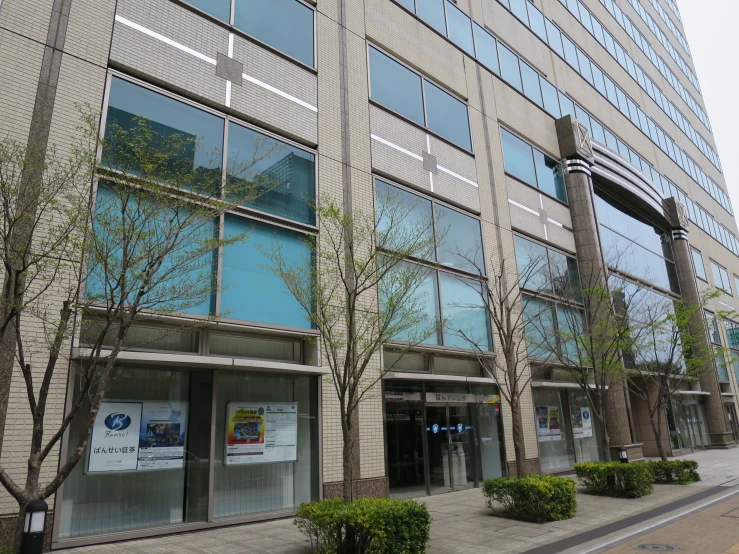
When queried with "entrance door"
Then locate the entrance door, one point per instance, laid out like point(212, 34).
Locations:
point(733, 422)
point(462, 446)
point(695, 426)
point(439, 456)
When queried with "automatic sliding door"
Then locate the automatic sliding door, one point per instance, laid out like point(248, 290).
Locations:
point(439, 459)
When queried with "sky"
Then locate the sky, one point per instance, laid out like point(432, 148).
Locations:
point(711, 27)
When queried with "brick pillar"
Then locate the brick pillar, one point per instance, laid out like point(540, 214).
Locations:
point(718, 427)
point(575, 147)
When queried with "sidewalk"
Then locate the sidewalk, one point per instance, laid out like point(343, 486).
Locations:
point(461, 522)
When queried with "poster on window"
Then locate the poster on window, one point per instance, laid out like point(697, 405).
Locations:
point(162, 435)
point(548, 423)
point(577, 429)
point(261, 433)
point(587, 422)
point(114, 443)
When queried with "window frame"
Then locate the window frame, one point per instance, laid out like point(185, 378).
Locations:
point(424, 127)
point(721, 276)
point(693, 253)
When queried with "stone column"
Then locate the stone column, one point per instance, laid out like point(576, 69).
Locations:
point(718, 427)
point(577, 154)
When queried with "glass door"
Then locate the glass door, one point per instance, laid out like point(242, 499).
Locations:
point(462, 446)
point(695, 426)
point(404, 427)
point(439, 455)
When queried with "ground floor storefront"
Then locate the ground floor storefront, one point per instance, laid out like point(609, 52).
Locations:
point(441, 437)
point(173, 449)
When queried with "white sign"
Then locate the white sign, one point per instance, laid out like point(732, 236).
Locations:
point(582, 424)
point(548, 423)
point(587, 422)
point(162, 435)
point(261, 433)
point(114, 444)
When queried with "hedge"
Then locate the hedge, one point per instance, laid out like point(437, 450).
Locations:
point(675, 472)
point(537, 498)
point(366, 526)
point(632, 480)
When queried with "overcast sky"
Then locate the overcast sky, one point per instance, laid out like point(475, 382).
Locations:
point(711, 28)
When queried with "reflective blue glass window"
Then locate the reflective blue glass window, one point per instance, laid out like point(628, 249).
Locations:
point(536, 20)
point(585, 66)
point(571, 326)
point(279, 177)
point(700, 268)
point(217, 8)
point(251, 292)
point(549, 94)
point(397, 208)
point(518, 7)
point(427, 295)
point(566, 105)
point(541, 335)
point(611, 91)
point(509, 67)
point(554, 38)
point(460, 29)
point(531, 88)
point(549, 174)
point(408, 4)
point(518, 157)
point(286, 25)
point(598, 80)
point(459, 240)
point(585, 17)
point(532, 265)
point(598, 131)
point(570, 52)
point(611, 141)
point(464, 310)
point(395, 86)
point(201, 132)
point(486, 48)
point(447, 116)
point(432, 12)
point(565, 275)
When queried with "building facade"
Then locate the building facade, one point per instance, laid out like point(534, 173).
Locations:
point(561, 129)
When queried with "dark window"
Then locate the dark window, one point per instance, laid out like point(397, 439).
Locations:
point(395, 86)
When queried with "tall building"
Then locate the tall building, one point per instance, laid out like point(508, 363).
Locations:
point(561, 129)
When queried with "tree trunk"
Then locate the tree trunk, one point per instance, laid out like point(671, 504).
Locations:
point(349, 454)
point(606, 440)
point(19, 525)
point(657, 428)
point(519, 446)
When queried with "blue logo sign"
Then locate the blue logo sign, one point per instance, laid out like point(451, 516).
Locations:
point(117, 422)
point(435, 428)
point(460, 427)
point(585, 414)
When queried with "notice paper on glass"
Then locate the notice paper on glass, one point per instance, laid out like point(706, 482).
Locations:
point(114, 444)
point(261, 433)
point(548, 423)
point(162, 435)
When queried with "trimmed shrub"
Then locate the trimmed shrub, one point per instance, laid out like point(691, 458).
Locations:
point(675, 472)
point(537, 498)
point(632, 480)
point(366, 526)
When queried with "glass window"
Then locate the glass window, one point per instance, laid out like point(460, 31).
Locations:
point(287, 25)
point(598, 131)
point(279, 177)
point(585, 66)
point(408, 4)
point(700, 268)
point(460, 240)
point(533, 265)
point(518, 157)
point(536, 20)
point(432, 12)
point(201, 133)
point(487, 51)
point(566, 105)
point(244, 270)
point(396, 208)
point(565, 275)
point(518, 7)
point(610, 91)
point(465, 311)
point(570, 52)
point(395, 86)
point(721, 278)
point(531, 87)
point(427, 297)
point(549, 176)
point(220, 9)
point(554, 38)
point(571, 325)
point(460, 30)
point(447, 116)
point(598, 80)
point(549, 95)
point(509, 67)
point(541, 335)
point(242, 485)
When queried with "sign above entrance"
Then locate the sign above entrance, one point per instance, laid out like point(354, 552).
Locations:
point(393, 396)
point(461, 397)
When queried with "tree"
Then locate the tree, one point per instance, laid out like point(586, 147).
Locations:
point(362, 293)
point(505, 300)
point(669, 353)
point(76, 261)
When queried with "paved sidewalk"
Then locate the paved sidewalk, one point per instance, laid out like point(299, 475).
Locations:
point(461, 522)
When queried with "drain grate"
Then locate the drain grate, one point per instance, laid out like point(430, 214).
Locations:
point(652, 547)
